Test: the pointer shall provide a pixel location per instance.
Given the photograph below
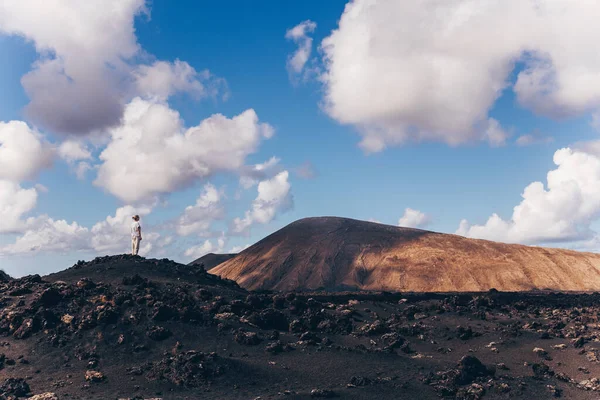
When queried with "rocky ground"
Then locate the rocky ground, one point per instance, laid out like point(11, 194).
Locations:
point(131, 328)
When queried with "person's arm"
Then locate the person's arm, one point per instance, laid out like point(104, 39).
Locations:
point(140, 231)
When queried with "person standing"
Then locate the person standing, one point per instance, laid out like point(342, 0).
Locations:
point(136, 235)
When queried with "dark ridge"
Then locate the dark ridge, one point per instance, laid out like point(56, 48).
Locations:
point(4, 277)
point(112, 269)
point(211, 260)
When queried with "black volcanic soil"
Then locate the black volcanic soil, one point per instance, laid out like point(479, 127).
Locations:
point(138, 328)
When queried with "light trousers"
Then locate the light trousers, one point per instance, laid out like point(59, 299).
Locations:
point(135, 245)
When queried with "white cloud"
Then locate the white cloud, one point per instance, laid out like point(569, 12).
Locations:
point(561, 212)
point(433, 69)
point(15, 202)
point(41, 188)
point(530, 139)
point(590, 245)
point(23, 152)
point(88, 67)
point(299, 34)
point(151, 153)
point(77, 84)
point(196, 252)
point(48, 235)
point(251, 175)
point(163, 79)
point(414, 219)
point(198, 218)
point(376, 221)
point(495, 135)
point(81, 169)
point(595, 122)
point(112, 235)
point(274, 196)
point(165, 241)
point(238, 249)
point(591, 147)
point(72, 150)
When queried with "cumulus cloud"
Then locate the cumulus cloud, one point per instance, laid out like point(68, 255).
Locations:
point(589, 245)
point(15, 203)
point(49, 235)
point(112, 235)
point(560, 212)
point(208, 246)
point(23, 152)
point(252, 174)
point(274, 196)
point(72, 151)
point(77, 156)
point(495, 135)
point(76, 85)
point(163, 79)
point(198, 219)
point(88, 67)
point(431, 73)
point(299, 35)
point(414, 219)
point(81, 169)
point(590, 147)
point(151, 153)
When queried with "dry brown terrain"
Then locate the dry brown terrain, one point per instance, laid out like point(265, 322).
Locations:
point(338, 253)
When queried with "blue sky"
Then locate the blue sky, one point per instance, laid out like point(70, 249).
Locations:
point(311, 111)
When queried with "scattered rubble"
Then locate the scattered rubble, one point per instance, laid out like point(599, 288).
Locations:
point(150, 314)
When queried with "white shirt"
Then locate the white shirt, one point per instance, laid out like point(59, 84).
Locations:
point(135, 229)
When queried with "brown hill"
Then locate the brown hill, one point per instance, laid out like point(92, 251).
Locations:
point(211, 260)
point(338, 253)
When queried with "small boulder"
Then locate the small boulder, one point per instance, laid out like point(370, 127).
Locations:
point(470, 368)
point(158, 333)
point(360, 381)
point(45, 396)
point(94, 376)
point(270, 318)
point(27, 328)
point(247, 338)
point(322, 393)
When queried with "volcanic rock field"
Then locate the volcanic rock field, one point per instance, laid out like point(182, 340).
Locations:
point(125, 327)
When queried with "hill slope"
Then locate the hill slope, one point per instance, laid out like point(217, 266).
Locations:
point(335, 253)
